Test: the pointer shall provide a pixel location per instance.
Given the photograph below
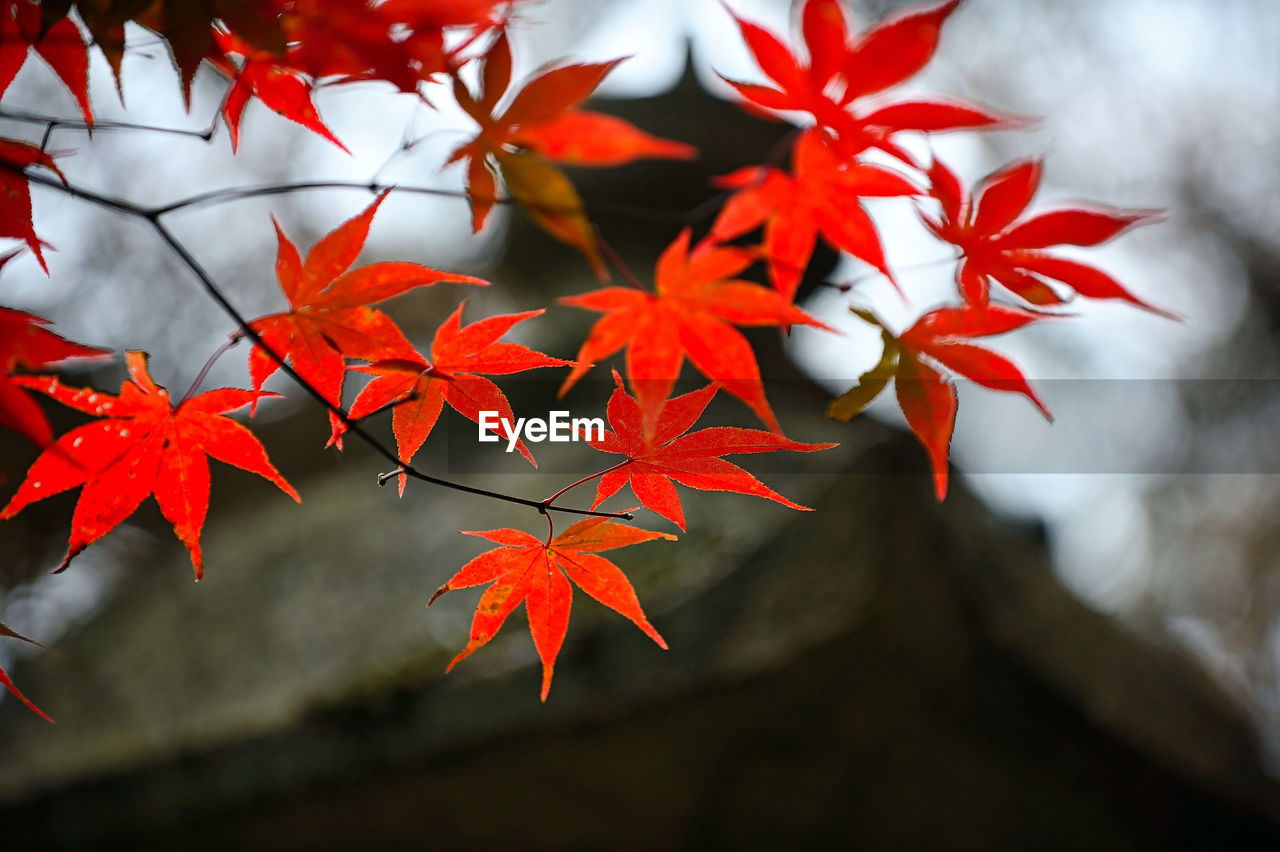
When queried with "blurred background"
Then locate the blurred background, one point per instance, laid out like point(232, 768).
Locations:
point(1079, 646)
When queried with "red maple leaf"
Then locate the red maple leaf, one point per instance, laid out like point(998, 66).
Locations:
point(26, 344)
point(15, 212)
point(399, 41)
point(537, 574)
point(696, 303)
point(262, 74)
point(453, 375)
point(144, 445)
point(8, 683)
point(660, 454)
point(340, 41)
point(189, 28)
point(61, 46)
point(841, 72)
point(438, 14)
point(540, 123)
point(822, 197)
point(995, 244)
point(926, 394)
point(353, 40)
point(329, 318)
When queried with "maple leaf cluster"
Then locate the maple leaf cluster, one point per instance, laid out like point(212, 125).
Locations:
point(743, 270)
point(842, 81)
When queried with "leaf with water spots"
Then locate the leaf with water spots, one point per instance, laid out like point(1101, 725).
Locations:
point(143, 445)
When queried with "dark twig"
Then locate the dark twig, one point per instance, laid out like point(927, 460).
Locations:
point(52, 123)
point(549, 503)
point(152, 216)
point(602, 210)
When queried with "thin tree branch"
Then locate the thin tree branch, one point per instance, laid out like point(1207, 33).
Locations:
point(600, 210)
point(596, 209)
point(52, 123)
point(152, 216)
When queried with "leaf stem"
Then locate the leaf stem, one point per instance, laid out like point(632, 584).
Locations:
point(390, 406)
point(780, 148)
point(615, 260)
point(583, 481)
point(208, 365)
point(551, 528)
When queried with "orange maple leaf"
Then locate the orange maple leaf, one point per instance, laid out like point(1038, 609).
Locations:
point(659, 455)
point(537, 573)
point(842, 71)
point(821, 197)
point(459, 355)
point(696, 303)
point(144, 445)
point(663, 454)
point(540, 123)
point(915, 361)
point(329, 318)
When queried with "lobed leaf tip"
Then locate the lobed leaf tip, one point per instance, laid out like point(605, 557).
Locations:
point(940, 486)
